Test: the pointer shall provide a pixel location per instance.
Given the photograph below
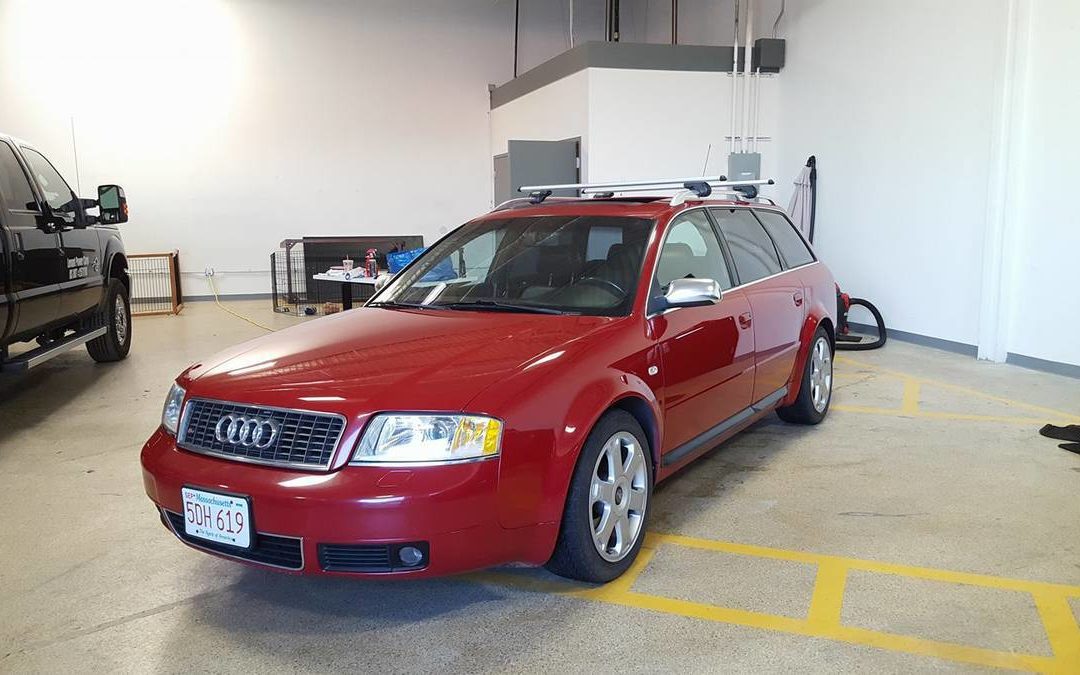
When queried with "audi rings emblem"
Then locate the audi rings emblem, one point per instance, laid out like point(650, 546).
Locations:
point(247, 432)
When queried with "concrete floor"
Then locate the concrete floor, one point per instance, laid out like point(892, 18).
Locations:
point(928, 459)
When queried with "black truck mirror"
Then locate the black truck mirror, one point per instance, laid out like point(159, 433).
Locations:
point(113, 204)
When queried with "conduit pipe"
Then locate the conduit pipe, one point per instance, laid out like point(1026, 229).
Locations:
point(734, 77)
point(747, 60)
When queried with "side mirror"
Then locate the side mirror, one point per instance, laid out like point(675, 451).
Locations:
point(690, 293)
point(113, 204)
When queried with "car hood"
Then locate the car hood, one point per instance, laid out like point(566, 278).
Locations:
point(373, 359)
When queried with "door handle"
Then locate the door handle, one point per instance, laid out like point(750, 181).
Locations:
point(20, 256)
point(798, 298)
point(745, 320)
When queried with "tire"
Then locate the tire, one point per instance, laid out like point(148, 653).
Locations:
point(808, 409)
point(577, 554)
point(115, 344)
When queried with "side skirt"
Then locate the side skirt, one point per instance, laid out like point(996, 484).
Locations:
point(701, 441)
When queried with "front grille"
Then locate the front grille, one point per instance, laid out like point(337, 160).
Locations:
point(305, 439)
point(268, 549)
point(369, 557)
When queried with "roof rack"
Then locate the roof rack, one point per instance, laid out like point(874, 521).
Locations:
point(700, 186)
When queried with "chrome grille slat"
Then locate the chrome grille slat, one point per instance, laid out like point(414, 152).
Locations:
point(306, 439)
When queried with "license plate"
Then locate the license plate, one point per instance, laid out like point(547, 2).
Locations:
point(223, 519)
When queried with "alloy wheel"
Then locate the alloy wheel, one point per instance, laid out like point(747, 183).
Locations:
point(617, 496)
point(821, 374)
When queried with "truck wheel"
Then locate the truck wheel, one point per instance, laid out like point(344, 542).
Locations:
point(116, 317)
point(603, 524)
point(815, 392)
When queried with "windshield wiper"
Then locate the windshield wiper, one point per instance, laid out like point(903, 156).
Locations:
point(403, 305)
point(495, 305)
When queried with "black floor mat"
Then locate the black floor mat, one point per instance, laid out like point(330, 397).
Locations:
point(1069, 433)
point(1071, 447)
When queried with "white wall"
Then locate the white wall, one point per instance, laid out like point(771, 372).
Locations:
point(552, 113)
point(897, 106)
point(654, 123)
point(545, 24)
point(913, 124)
point(233, 125)
point(1044, 242)
point(626, 134)
point(905, 111)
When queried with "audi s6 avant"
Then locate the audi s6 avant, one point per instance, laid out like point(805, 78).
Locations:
point(513, 395)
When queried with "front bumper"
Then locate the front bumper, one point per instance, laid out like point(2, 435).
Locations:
point(451, 509)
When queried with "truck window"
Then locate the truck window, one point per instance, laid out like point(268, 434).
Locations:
point(14, 186)
point(52, 184)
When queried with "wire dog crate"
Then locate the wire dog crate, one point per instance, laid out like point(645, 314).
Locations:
point(155, 283)
point(297, 260)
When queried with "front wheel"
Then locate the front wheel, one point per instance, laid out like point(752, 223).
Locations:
point(815, 390)
point(603, 524)
point(115, 344)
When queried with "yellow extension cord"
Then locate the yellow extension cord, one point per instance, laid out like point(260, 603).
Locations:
point(217, 300)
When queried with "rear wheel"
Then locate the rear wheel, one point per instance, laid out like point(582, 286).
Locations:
point(115, 344)
point(603, 524)
point(815, 391)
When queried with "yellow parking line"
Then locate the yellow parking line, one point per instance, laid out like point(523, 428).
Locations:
point(610, 591)
point(1061, 629)
point(1059, 414)
point(935, 415)
point(823, 618)
point(930, 573)
point(947, 650)
point(910, 404)
point(828, 599)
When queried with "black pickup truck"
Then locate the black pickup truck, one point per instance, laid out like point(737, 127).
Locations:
point(63, 270)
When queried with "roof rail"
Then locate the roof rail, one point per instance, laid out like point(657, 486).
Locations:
point(699, 186)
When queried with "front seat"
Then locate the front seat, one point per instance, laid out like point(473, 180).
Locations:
point(622, 266)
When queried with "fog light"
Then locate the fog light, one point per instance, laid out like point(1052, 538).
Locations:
point(410, 556)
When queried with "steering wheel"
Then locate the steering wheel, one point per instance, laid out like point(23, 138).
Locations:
point(609, 286)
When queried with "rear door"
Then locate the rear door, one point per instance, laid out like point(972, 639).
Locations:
point(777, 299)
point(707, 355)
point(82, 280)
point(37, 263)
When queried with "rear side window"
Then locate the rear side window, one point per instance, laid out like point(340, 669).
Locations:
point(792, 247)
point(751, 248)
point(14, 186)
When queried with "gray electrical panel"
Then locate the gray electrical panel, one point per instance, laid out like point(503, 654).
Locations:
point(535, 163)
point(744, 166)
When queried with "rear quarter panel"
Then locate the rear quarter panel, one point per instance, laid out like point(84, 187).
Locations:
point(819, 288)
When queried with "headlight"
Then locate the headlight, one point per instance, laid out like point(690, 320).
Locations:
point(174, 403)
point(428, 438)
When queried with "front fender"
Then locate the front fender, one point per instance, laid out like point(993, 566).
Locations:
point(113, 247)
point(548, 417)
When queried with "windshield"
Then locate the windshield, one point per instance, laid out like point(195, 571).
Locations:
point(549, 264)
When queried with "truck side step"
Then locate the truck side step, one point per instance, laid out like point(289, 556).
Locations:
point(40, 355)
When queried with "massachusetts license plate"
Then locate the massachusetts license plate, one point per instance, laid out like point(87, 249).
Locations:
point(224, 519)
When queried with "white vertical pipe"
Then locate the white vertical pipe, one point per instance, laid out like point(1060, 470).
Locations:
point(750, 115)
point(572, 24)
point(734, 77)
point(746, 70)
point(756, 130)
